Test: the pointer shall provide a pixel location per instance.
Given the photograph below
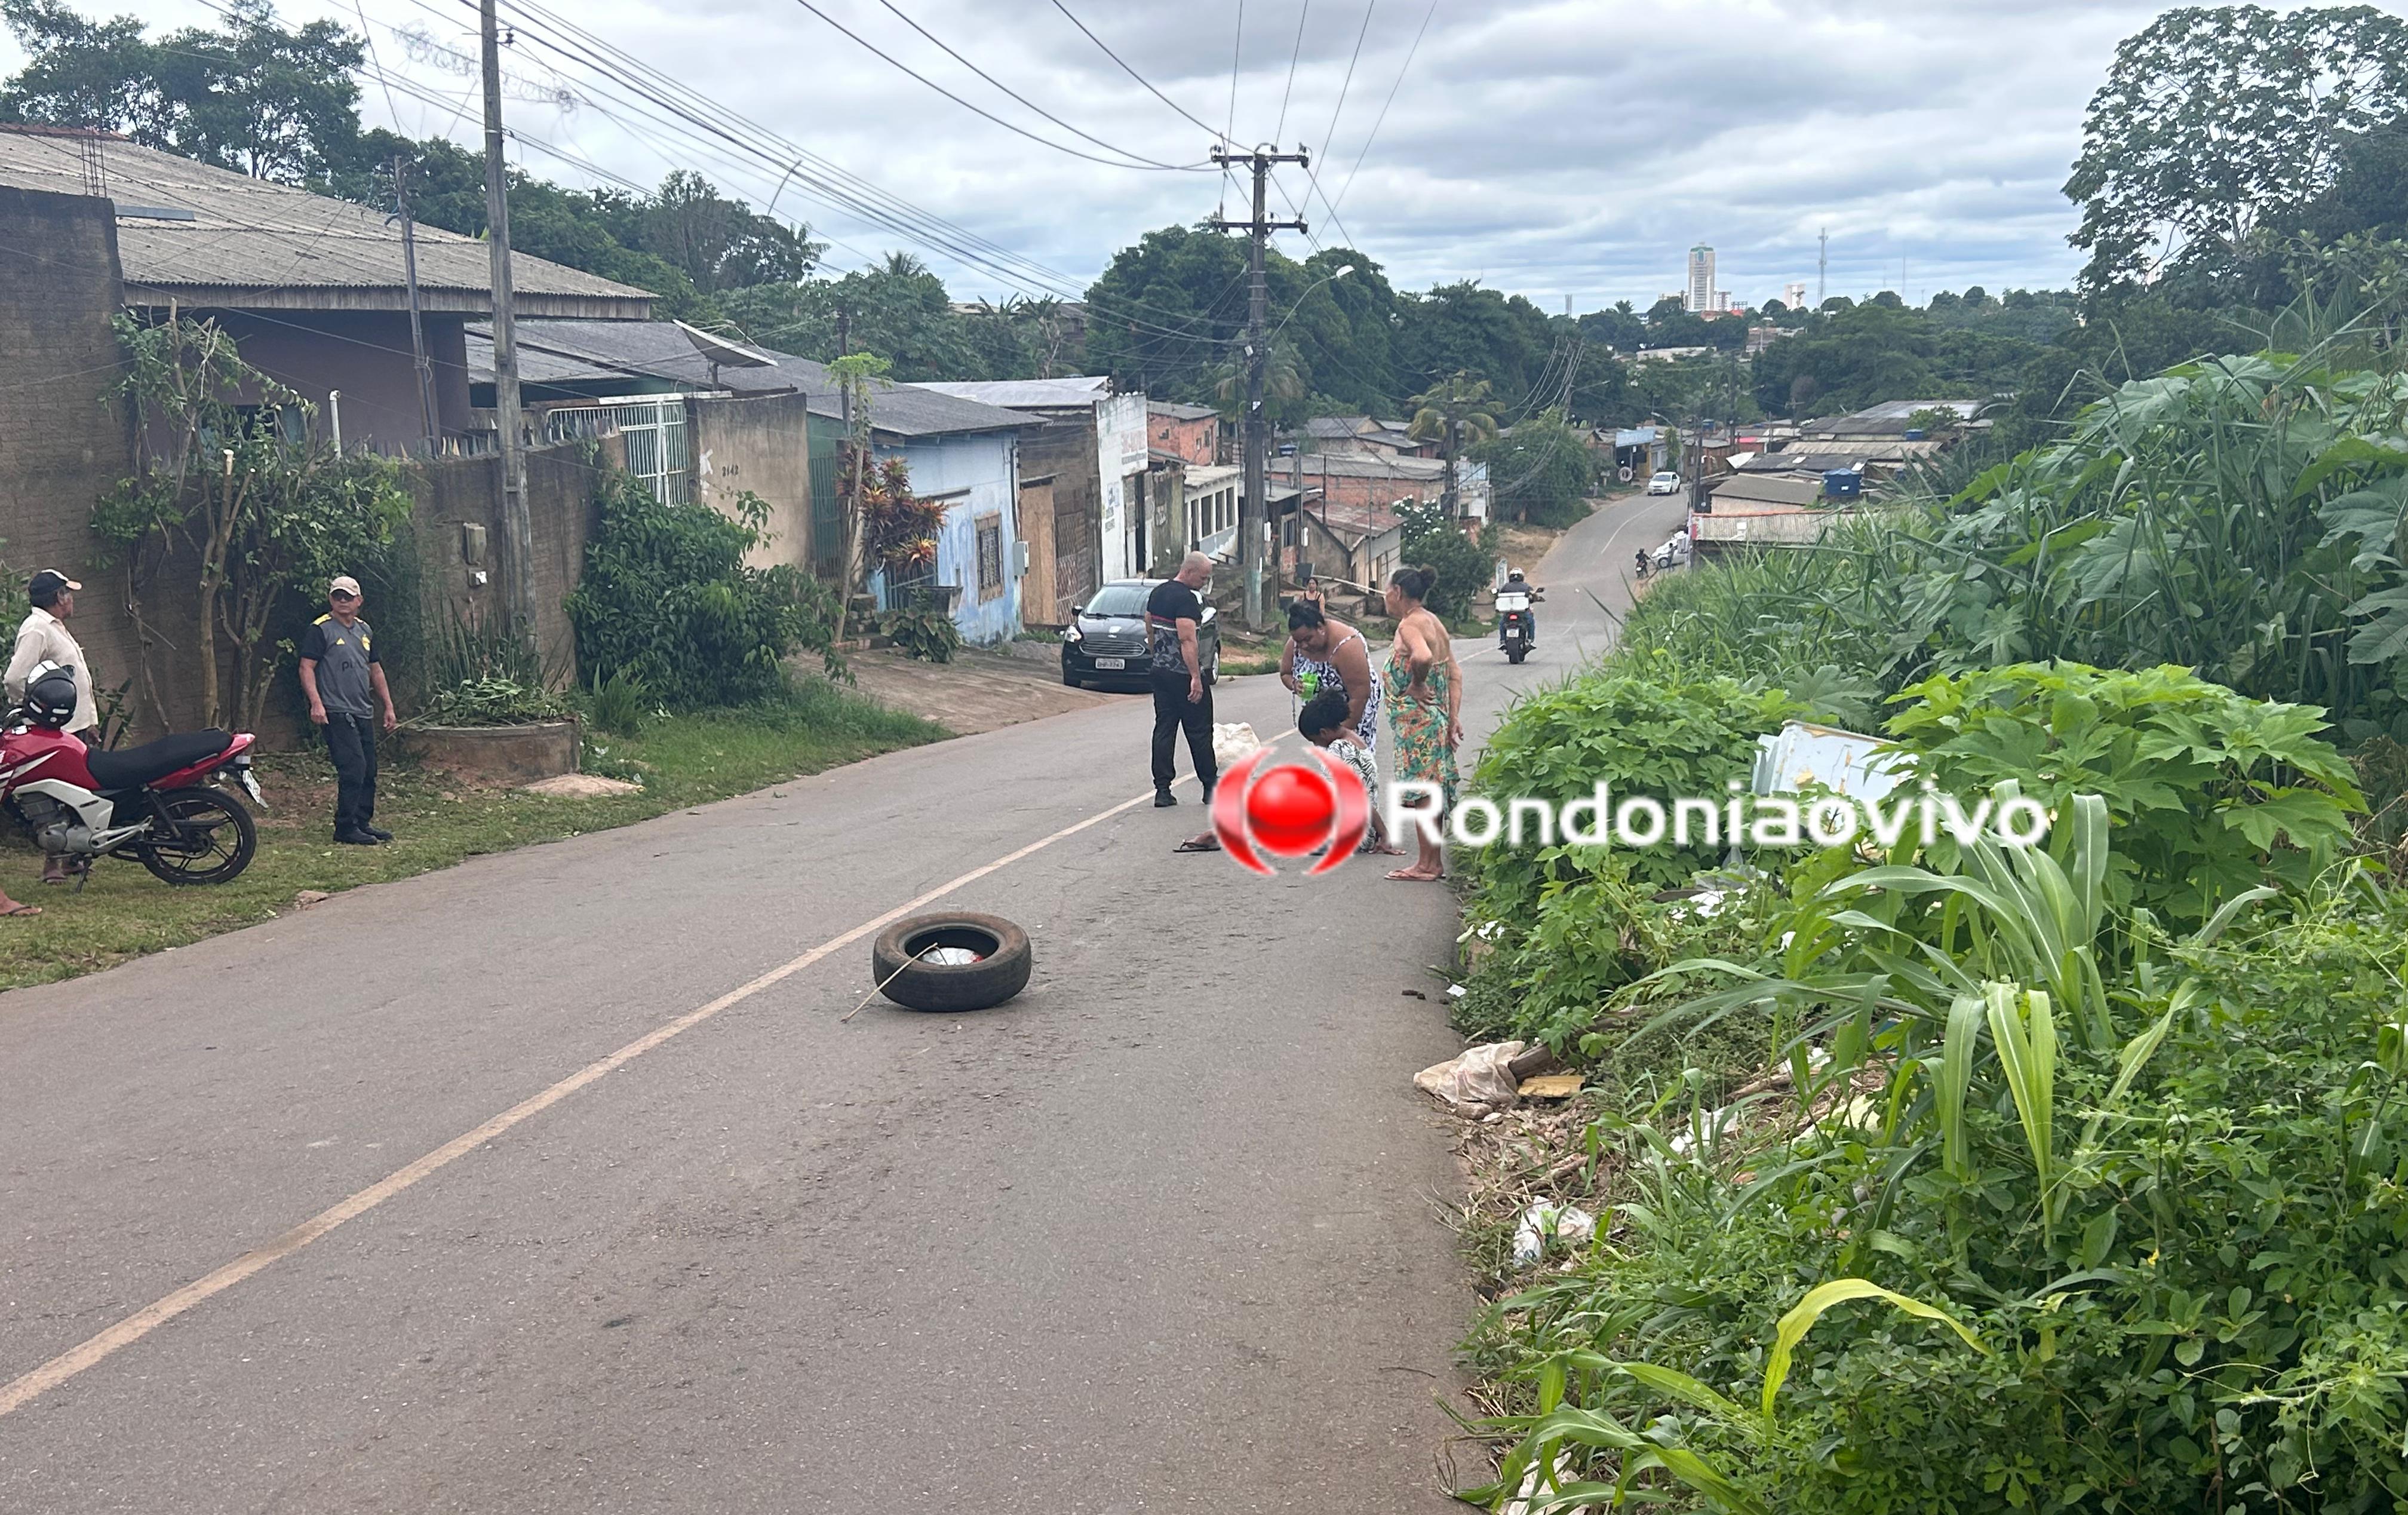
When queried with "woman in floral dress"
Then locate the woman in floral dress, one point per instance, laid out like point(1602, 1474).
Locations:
point(1425, 690)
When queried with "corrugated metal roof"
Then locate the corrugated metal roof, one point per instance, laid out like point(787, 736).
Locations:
point(1775, 489)
point(1030, 394)
point(570, 351)
point(253, 245)
point(1181, 412)
point(1353, 522)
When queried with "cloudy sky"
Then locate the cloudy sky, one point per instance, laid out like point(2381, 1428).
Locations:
point(1550, 148)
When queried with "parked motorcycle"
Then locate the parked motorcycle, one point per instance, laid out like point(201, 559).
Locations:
point(157, 803)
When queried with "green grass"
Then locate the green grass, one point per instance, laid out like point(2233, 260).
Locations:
point(685, 760)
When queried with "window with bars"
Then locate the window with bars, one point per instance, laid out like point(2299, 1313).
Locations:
point(990, 556)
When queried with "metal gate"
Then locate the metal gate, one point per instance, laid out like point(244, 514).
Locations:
point(652, 427)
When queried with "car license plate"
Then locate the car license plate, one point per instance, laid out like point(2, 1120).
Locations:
point(1112, 662)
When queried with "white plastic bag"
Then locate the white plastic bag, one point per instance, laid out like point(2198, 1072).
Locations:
point(1478, 1081)
point(1544, 1220)
point(1232, 742)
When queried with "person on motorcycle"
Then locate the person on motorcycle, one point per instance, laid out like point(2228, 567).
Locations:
point(1517, 584)
point(42, 637)
point(1642, 556)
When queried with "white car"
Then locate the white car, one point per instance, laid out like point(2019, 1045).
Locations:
point(1666, 483)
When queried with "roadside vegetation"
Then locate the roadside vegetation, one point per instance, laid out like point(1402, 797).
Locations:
point(2091, 1154)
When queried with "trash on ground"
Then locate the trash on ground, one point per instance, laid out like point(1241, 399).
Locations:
point(1546, 1221)
point(1477, 1081)
point(1233, 740)
point(580, 787)
point(1551, 1087)
point(307, 898)
point(1456, 991)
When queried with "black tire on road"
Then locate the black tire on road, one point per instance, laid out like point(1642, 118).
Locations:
point(1000, 972)
point(212, 842)
point(1515, 655)
point(1212, 669)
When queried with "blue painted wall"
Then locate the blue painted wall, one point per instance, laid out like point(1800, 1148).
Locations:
point(987, 467)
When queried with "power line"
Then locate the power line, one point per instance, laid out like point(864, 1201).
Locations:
point(1057, 120)
point(1292, 59)
point(1382, 118)
point(1329, 135)
point(1042, 142)
point(1142, 78)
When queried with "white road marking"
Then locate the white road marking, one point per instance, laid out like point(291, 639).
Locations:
point(22, 1390)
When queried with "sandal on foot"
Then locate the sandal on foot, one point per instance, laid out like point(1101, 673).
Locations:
point(1197, 844)
point(23, 910)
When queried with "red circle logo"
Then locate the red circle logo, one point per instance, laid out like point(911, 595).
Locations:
point(1290, 811)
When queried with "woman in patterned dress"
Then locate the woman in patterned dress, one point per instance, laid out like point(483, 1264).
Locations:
point(1425, 689)
point(1323, 654)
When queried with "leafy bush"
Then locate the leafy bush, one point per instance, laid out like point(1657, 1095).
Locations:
point(1634, 734)
point(929, 636)
point(492, 701)
point(2163, 1206)
point(2211, 794)
point(1465, 567)
point(616, 705)
point(667, 599)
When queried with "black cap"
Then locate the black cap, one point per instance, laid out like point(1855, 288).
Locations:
point(47, 584)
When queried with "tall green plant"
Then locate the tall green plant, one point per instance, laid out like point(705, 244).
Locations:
point(667, 600)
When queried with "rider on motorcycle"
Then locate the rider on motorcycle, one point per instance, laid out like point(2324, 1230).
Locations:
point(1517, 584)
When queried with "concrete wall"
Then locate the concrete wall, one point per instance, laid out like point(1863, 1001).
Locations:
point(365, 354)
point(981, 474)
point(761, 444)
point(452, 493)
point(62, 446)
point(1065, 450)
point(1120, 467)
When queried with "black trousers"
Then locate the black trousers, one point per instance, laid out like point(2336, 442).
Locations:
point(351, 741)
point(1173, 712)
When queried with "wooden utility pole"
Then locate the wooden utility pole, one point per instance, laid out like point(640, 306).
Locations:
point(417, 326)
point(516, 524)
point(1254, 509)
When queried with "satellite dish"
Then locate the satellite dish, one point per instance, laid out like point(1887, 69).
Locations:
point(722, 353)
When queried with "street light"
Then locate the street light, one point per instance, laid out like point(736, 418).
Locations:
point(1330, 278)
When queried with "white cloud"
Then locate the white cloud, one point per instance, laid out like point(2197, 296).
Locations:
point(1545, 146)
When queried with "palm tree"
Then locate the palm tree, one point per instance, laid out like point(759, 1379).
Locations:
point(1282, 380)
point(1455, 413)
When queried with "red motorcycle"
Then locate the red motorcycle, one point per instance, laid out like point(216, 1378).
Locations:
point(156, 803)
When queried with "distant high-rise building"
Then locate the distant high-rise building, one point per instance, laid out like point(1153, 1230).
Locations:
point(1792, 293)
point(1701, 279)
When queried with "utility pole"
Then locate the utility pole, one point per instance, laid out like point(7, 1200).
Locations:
point(1253, 511)
point(1823, 270)
point(516, 524)
point(417, 327)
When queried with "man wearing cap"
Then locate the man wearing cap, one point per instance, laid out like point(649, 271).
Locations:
point(43, 638)
point(344, 686)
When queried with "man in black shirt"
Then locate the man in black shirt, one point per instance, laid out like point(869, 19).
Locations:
point(1180, 697)
point(343, 680)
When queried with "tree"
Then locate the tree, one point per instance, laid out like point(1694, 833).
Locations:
point(252, 96)
point(719, 244)
point(1454, 413)
point(2214, 120)
point(220, 483)
point(1540, 470)
point(1461, 567)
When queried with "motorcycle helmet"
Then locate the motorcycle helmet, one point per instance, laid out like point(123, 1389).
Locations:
point(50, 696)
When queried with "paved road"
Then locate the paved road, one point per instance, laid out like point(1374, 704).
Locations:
point(555, 1182)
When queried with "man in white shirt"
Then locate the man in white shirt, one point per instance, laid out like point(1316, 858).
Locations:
point(43, 638)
